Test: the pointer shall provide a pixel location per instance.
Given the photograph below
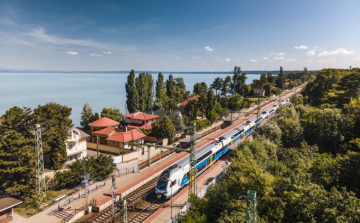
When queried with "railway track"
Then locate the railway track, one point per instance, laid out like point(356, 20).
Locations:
point(106, 214)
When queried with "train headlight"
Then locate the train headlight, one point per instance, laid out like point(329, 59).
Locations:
point(159, 196)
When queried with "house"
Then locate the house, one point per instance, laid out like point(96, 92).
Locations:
point(103, 123)
point(122, 139)
point(103, 134)
point(138, 120)
point(76, 144)
point(6, 208)
point(259, 92)
point(182, 105)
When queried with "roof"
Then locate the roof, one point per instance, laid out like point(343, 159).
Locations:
point(8, 202)
point(183, 103)
point(105, 131)
point(259, 91)
point(82, 133)
point(131, 135)
point(140, 116)
point(146, 126)
point(104, 122)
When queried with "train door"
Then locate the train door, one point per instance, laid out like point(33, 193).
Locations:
point(211, 160)
point(191, 176)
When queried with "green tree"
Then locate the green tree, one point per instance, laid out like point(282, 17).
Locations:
point(17, 166)
point(270, 78)
point(263, 79)
point(55, 121)
point(160, 88)
point(216, 85)
point(170, 86)
point(95, 117)
point(267, 88)
point(141, 88)
point(164, 128)
point(18, 119)
point(200, 88)
point(112, 113)
point(281, 79)
point(269, 130)
point(86, 117)
point(132, 97)
point(210, 109)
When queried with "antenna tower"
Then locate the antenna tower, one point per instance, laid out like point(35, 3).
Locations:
point(251, 206)
point(39, 162)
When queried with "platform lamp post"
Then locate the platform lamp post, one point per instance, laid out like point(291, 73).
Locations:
point(97, 146)
point(86, 183)
point(171, 198)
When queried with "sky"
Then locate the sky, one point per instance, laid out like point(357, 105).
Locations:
point(201, 35)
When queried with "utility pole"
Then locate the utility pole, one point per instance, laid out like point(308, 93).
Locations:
point(123, 212)
point(192, 179)
point(112, 198)
point(39, 162)
point(259, 108)
point(86, 187)
point(251, 206)
point(149, 157)
point(97, 146)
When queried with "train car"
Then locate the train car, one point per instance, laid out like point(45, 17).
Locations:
point(178, 175)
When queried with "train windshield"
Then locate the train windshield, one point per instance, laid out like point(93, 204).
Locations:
point(163, 179)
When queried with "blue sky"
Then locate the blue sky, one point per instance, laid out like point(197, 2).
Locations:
point(179, 35)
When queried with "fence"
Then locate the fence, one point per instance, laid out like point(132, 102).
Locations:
point(161, 155)
point(118, 159)
point(105, 148)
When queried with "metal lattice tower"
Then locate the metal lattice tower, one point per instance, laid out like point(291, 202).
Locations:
point(39, 165)
point(251, 206)
point(258, 109)
point(192, 181)
point(123, 211)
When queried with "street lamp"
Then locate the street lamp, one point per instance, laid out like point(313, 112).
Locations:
point(85, 182)
point(171, 197)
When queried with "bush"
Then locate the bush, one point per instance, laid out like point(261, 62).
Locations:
point(177, 139)
point(201, 124)
point(170, 141)
point(183, 136)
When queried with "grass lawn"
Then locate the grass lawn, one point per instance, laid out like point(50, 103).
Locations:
point(23, 208)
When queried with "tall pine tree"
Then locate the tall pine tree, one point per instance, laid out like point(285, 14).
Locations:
point(132, 102)
point(149, 96)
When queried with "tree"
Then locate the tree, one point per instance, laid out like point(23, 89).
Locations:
point(132, 98)
point(263, 79)
point(269, 130)
point(200, 88)
point(281, 78)
point(178, 121)
point(112, 113)
point(225, 86)
point(149, 96)
point(95, 117)
point(270, 78)
point(17, 172)
point(142, 88)
point(160, 88)
point(210, 109)
point(170, 86)
point(234, 102)
point(234, 86)
point(216, 85)
point(55, 121)
point(86, 117)
point(18, 119)
point(164, 128)
point(267, 88)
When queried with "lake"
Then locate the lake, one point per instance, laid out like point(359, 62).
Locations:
point(100, 90)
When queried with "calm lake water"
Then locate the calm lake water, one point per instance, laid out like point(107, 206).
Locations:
point(100, 90)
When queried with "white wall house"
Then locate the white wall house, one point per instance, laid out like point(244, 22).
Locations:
point(76, 145)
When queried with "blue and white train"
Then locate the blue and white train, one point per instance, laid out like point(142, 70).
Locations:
point(178, 175)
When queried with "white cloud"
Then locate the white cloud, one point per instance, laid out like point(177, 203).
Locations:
point(301, 47)
point(332, 59)
point(280, 54)
point(324, 53)
point(265, 58)
point(95, 55)
point(227, 59)
point(176, 58)
point(341, 51)
point(357, 58)
point(209, 49)
point(273, 53)
point(279, 58)
point(254, 61)
point(72, 53)
point(108, 53)
point(311, 53)
point(199, 57)
point(291, 60)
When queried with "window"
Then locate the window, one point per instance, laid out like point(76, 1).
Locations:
point(173, 183)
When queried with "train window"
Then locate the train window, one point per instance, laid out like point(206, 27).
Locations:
point(173, 183)
point(179, 182)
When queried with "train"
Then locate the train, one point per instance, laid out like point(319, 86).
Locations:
point(179, 174)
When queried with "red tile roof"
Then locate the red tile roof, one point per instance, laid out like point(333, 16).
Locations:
point(104, 122)
point(131, 135)
point(187, 100)
point(146, 126)
point(141, 116)
point(105, 131)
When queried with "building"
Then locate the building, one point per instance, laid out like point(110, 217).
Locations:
point(100, 124)
point(76, 145)
point(138, 120)
point(103, 123)
point(259, 92)
point(6, 208)
point(122, 139)
point(182, 105)
point(103, 134)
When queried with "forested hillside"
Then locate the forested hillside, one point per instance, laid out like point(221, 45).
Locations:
point(304, 164)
